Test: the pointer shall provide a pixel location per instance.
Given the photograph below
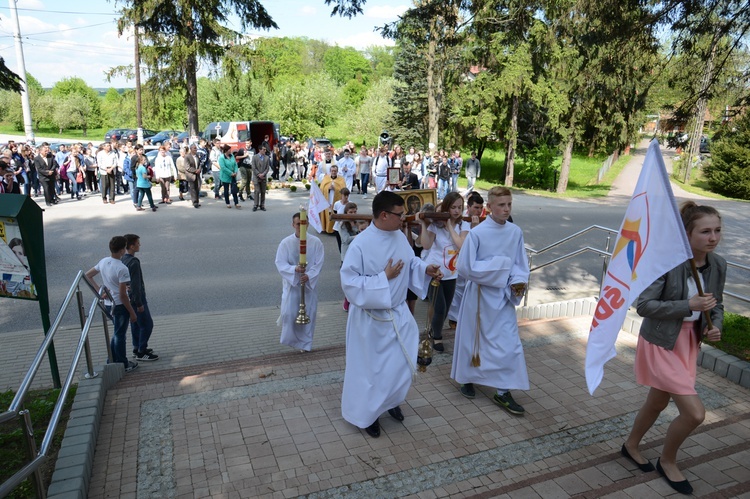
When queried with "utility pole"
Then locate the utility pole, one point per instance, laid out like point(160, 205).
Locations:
point(28, 129)
point(138, 109)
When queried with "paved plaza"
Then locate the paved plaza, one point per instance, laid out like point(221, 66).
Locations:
point(266, 422)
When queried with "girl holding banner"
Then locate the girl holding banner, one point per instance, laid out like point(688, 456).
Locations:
point(677, 316)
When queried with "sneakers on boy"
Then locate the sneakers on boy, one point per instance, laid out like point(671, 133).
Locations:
point(131, 366)
point(147, 356)
point(506, 402)
point(135, 351)
point(467, 390)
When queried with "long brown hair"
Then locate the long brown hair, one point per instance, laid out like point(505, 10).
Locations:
point(448, 201)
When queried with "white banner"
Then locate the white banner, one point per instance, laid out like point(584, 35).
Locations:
point(317, 204)
point(651, 242)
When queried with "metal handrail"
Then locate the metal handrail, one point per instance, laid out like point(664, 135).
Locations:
point(16, 407)
point(572, 236)
point(577, 252)
point(605, 254)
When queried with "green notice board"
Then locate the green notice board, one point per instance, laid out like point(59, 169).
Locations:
point(23, 268)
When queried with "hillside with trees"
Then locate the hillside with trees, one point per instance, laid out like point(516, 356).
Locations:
point(535, 79)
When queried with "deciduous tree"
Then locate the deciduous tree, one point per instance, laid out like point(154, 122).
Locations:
point(180, 34)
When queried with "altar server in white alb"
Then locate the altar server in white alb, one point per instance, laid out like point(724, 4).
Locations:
point(299, 336)
point(381, 334)
point(487, 348)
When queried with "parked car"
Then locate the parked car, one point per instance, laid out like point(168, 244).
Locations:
point(55, 146)
point(163, 136)
point(705, 145)
point(151, 155)
point(132, 134)
point(115, 133)
point(323, 142)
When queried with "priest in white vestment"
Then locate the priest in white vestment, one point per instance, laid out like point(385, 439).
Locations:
point(381, 334)
point(487, 347)
point(299, 336)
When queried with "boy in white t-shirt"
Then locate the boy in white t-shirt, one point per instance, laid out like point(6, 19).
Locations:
point(115, 277)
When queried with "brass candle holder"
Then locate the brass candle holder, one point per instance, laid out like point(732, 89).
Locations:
point(424, 352)
point(302, 317)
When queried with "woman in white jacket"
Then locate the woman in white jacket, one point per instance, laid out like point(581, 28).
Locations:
point(165, 172)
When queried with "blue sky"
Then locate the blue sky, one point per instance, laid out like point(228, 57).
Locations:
point(79, 38)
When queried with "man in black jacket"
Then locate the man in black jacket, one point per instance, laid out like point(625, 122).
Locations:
point(47, 168)
point(193, 175)
point(141, 329)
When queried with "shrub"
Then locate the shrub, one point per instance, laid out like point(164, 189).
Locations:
point(735, 337)
point(537, 169)
point(308, 186)
point(729, 170)
point(293, 188)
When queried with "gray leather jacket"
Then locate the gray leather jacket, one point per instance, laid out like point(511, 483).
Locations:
point(664, 304)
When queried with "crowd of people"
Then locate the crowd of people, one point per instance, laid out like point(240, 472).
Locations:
point(115, 168)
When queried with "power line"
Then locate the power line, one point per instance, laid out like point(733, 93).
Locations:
point(66, 29)
point(66, 42)
point(62, 11)
point(77, 50)
point(26, 35)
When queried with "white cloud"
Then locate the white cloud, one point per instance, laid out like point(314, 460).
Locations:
point(388, 12)
point(363, 40)
point(308, 10)
point(30, 25)
point(30, 4)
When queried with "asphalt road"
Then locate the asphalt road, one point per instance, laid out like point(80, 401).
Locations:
point(215, 259)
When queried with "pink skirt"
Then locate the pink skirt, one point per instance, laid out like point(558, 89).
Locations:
point(669, 371)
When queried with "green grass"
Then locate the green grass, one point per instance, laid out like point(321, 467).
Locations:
point(581, 183)
point(13, 446)
point(698, 184)
point(735, 338)
point(92, 133)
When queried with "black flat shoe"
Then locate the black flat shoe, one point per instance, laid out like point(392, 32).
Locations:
point(682, 487)
point(645, 467)
point(396, 413)
point(374, 429)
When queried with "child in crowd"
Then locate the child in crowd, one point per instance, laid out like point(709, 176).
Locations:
point(347, 231)
point(338, 207)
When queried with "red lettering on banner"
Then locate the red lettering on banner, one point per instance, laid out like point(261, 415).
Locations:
point(610, 301)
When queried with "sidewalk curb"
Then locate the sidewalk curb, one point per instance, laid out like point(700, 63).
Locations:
point(76, 457)
point(725, 365)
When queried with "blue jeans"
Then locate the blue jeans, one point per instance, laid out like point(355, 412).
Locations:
point(217, 183)
point(118, 345)
point(147, 192)
point(443, 187)
point(73, 184)
point(454, 182)
point(133, 190)
point(141, 329)
point(364, 180)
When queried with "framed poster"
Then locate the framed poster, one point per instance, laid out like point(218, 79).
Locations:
point(415, 199)
point(394, 176)
point(15, 277)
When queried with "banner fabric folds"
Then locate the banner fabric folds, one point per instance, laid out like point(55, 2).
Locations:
point(651, 241)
